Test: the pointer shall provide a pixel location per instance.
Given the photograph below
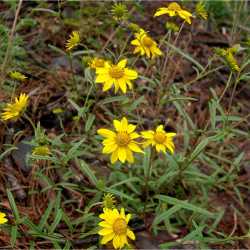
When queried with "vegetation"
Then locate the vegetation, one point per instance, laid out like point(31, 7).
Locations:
point(124, 124)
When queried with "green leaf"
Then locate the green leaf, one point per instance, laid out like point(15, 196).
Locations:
point(13, 205)
point(184, 205)
point(84, 167)
point(89, 122)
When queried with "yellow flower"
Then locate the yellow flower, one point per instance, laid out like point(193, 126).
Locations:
point(115, 227)
point(41, 150)
point(201, 10)
point(145, 45)
point(108, 201)
point(174, 9)
point(120, 144)
point(96, 63)
point(172, 26)
point(73, 41)
point(117, 75)
point(15, 75)
point(2, 218)
point(16, 109)
point(160, 139)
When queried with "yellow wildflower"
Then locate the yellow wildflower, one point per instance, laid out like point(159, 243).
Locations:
point(73, 41)
point(145, 45)
point(115, 227)
point(160, 139)
point(117, 75)
point(96, 63)
point(41, 151)
point(15, 75)
point(2, 218)
point(174, 9)
point(16, 109)
point(120, 144)
point(201, 10)
point(108, 201)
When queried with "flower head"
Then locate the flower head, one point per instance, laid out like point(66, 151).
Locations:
point(115, 227)
point(174, 9)
point(145, 44)
point(41, 151)
point(117, 75)
point(119, 11)
point(108, 201)
point(120, 144)
point(16, 109)
point(201, 10)
point(172, 26)
point(228, 56)
point(96, 62)
point(15, 75)
point(160, 139)
point(73, 41)
point(2, 218)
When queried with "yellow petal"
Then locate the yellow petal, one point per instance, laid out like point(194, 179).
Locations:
point(109, 149)
point(105, 224)
point(114, 157)
point(122, 154)
point(106, 133)
point(107, 238)
point(117, 125)
point(160, 147)
point(105, 231)
point(130, 156)
point(130, 234)
point(161, 11)
point(128, 217)
point(122, 63)
point(117, 242)
point(148, 134)
point(131, 74)
point(134, 147)
point(124, 124)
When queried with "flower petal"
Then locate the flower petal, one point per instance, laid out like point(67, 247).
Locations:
point(106, 133)
point(122, 63)
point(130, 234)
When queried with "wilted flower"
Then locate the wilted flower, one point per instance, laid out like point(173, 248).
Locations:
point(228, 56)
point(200, 10)
point(96, 62)
point(160, 139)
point(15, 75)
point(174, 9)
point(172, 26)
point(41, 151)
point(16, 109)
point(145, 45)
point(120, 144)
point(73, 41)
point(117, 75)
point(115, 227)
point(108, 201)
point(119, 11)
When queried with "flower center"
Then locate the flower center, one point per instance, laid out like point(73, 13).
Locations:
point(159, 137)
point(116, 72)
point(120, 226)
point(122, 139)
point(147, 41)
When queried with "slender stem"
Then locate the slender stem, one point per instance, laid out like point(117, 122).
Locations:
point(147, 178)
point(226, 87)
point(10, 43)
point(30, 121)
